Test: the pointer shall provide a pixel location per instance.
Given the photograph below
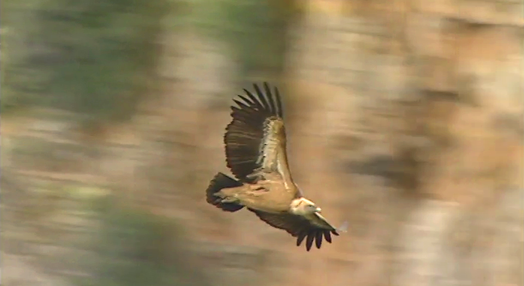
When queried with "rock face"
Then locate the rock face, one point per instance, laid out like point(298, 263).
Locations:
point(405, 120)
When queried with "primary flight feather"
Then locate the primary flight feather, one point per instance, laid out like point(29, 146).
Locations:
point(255, 143)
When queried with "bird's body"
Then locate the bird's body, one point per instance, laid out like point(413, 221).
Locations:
point(265, 195)
point(256, 154)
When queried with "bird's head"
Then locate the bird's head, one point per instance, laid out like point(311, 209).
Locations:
point(303, 206)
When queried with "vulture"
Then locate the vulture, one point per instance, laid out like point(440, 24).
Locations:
point(255, 147)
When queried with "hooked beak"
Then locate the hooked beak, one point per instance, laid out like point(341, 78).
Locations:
point(318, 210)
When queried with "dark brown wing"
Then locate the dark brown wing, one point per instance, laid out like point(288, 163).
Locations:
point(256, 139)
point(299, 227)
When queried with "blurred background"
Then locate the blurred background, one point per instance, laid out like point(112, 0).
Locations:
point(404, 118)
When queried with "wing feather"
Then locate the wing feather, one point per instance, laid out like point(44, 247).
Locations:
point(279, 102)
point(299, 227)
point(255, 139)
point(263, 98)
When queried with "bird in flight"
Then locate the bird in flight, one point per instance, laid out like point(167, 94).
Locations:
point(255, 145)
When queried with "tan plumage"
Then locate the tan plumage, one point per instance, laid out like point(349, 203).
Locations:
point(256, 154)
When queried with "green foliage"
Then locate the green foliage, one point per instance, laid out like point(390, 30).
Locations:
point(256, 31)
point(134, 247)
point(92, 57)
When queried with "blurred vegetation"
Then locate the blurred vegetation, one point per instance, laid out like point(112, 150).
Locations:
point(94, 58)
point(136, 247)
point(256, 32)
point(98, 58)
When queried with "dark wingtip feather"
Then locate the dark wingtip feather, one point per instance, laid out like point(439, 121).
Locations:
point(269, 95)
point(327, 235)
point(246, 100)
point(240, 104)
point(300, 238)
point(263, 99)
point(253, 99)
point(279, 102)
point(309, 241)
point(318, 239)
point(315, 237)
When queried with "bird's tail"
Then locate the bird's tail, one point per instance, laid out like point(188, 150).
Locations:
point(219, 182)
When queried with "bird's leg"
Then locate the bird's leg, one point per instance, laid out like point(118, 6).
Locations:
point(229, 195)
point(226, 198)
point(229, 200)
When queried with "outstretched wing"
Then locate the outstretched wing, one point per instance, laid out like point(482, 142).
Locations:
point(256, 138)
point(315, 228)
